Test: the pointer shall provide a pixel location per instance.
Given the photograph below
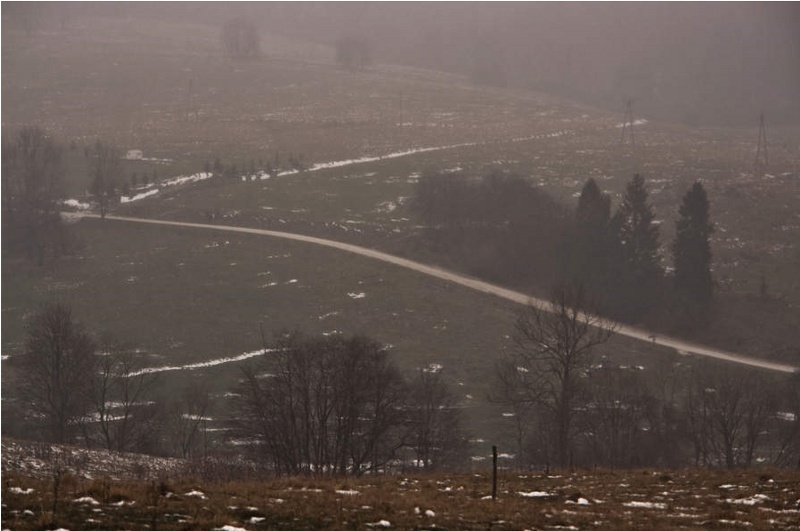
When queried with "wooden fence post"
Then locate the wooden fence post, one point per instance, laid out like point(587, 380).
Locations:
point(494, 472)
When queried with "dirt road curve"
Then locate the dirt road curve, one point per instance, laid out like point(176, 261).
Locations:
point(680, 346)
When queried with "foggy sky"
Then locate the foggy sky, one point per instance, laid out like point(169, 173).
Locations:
point(690, 62)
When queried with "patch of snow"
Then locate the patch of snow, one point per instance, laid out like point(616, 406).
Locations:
point(185, 179)
point(357, 295)
point(348, 492)
point(753, 500)
point(535, 494)
point(74, 203)
point(138, 197)
point(640, 121)
point(380, 523)
point(229, 528)
point(195, 494)
point(386, 206)
point(123, 503)
point(257, 519)
point(88, 500)
point(19, 490)
point(429, 513)
point(581, 501)
point(202, 364)
point(433, 368)
point(645, 505)
point(730, 523)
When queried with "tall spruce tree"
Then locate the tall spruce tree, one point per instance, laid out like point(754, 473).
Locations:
point(691, 250)
point(591, 243)
point(638, 236)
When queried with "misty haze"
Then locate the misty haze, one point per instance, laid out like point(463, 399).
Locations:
point(345, 265)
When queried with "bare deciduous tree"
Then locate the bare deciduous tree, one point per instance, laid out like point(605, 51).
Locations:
point(106, 167)
point(616, 418)
point(124, 417)
point(789, 427)
point(517, 388)
point(323, 405)
point(32, 170)
point(186, 418)
point(57, 371)
point(435, 432)
point(727, 412)
point(555, 346)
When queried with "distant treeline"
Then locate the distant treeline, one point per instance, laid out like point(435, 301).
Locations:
point(503, 228)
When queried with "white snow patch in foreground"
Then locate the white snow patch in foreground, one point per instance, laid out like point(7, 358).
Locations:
point(753, 500)
point(645, 505)
point(229, 528)
point(348, 492)
point(203, 364)
point(88, 500)
point(195, 494)
point(535, 494)
point(19, 490)
point(381, 523)
point(357, 295)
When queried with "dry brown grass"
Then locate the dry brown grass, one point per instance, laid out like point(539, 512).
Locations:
point(596, 499)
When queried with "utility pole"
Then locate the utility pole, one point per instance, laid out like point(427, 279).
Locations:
point(192, 103)
point(627, 125)
point(762, 145)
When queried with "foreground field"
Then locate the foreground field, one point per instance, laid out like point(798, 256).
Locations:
point(165, 496)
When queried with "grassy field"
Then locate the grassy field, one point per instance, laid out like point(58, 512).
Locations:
point(182, 296)
point(185, 296)
point(566, 499)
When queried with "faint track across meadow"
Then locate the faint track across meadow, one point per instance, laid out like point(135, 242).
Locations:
point(680, 346)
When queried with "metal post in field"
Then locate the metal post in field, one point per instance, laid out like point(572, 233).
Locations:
point(494, 472)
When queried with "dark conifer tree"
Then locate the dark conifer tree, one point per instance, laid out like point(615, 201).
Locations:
point(691, 250)
point(638, 239)
point(591, 243)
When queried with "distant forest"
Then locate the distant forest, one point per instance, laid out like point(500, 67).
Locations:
point(503, 228)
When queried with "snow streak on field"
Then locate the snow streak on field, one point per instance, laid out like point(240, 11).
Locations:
point(202, 364)
point(187, 179)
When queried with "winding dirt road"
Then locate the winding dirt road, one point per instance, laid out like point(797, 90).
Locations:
point(682, 347)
